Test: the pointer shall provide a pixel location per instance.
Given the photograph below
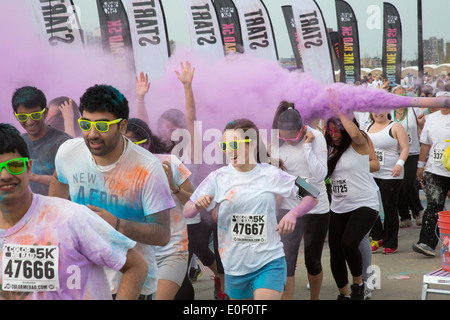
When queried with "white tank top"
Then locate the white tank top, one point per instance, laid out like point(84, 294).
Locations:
point(352, 185)
point(387, 150)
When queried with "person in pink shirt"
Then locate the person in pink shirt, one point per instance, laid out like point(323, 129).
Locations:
point(54, 249)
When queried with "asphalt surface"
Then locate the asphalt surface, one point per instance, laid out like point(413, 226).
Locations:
point(401, 273)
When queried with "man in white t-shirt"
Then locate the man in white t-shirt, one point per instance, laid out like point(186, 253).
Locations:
point(433, 175)
point(124, 183)
point(54, 249)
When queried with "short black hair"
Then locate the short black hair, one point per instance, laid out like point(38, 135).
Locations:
point(11, 141)
point(105, 98)
point(29, 97)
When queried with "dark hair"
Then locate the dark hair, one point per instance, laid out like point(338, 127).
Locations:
point(175, 116)
point(251, 132)
point(11, 141)
point(287, 117)
point(58, 123)
point(346, 140)
point(105, 98)
point(142, 131)
point(29, 97)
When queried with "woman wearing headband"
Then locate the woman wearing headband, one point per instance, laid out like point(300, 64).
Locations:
point(408, 198)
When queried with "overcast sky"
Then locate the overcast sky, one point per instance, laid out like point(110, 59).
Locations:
point(436, 15)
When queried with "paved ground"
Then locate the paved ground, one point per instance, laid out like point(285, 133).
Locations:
point(401, 273)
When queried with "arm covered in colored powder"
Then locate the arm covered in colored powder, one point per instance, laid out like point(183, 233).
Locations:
point(288, 222)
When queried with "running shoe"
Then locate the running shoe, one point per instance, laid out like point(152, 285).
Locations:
point(367, 292)
point(389, 250)
point(375, 244)
point(419, 218)
point(423, 249)
point(405, 223)
point(218, 293)
point(357, 291)
point(342, 297)
point(194, 274)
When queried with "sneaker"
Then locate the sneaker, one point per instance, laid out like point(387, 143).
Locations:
point(405, 223)
point(424, 249)
point(357, 291)
point(375, 244)
point(218, 293)
point(419, 218)
point(343, 297)
point(194, 274)
point(389, 250)
point(367, 292)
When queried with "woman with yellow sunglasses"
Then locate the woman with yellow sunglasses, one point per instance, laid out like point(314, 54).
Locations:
point(245, 194)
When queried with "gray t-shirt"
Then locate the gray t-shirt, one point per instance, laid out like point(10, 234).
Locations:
point(43, 152)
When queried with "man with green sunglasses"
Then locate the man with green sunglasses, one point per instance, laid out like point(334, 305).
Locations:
point(48, 244)
point(123, 183)
point(43, 141)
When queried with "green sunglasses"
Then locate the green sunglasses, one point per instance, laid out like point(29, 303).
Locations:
point(14, 166)
point(36, 116)
point(101, 126)
point(234, 144)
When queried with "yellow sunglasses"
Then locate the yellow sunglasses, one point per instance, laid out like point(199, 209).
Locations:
point(234, 144)
point(101, 126)
point(140, 142)
point(36, 116)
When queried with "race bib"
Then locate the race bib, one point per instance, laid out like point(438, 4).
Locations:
point(409, 138)
point(437, 155)
point(30, 268)
point(249, 228)
point(339, 188)
point(380, 156)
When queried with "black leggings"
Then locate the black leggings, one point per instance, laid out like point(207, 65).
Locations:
point(408, 198)
point(345, 234)
point(314, 228)
point(388, 232)
point(199, 235)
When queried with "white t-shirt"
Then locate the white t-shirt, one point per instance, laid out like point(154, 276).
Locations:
point(77, 243)
point(308, 161)
point(435, 131)
point(135, 188)
point(247, 214)
point(178, 228)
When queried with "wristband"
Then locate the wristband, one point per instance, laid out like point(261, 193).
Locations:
point(117, 224)
point(177, 190)
point(400, 162)
point(421, 164)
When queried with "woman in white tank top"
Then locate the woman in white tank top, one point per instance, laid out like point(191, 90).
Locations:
point(354, 202)
point(391, 146)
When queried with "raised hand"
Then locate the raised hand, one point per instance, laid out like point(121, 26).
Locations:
point(186, 74)
point(67, 110)
point(142, 86)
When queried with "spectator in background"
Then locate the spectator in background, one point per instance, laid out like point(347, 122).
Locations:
point(63, 115)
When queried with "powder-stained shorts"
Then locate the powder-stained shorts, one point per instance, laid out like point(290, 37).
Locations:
point(271, 276)
point(173, 267)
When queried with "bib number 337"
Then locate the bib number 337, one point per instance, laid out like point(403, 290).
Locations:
point(30, 268)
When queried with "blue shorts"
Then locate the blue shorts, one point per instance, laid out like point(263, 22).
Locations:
point(271, 276)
